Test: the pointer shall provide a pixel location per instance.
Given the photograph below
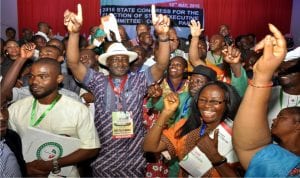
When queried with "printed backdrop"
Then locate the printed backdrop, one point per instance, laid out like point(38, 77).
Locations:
point(130, 13)
point(243, 16)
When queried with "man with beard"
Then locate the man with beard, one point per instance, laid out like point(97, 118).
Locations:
point(50, 111)
point(287, 94)
point(118, 98)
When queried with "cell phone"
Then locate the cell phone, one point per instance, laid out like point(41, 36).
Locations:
point(228, 40)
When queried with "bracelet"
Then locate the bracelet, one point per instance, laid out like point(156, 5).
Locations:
point(260, 86)
point(164, 40)
point(219, 163)
point(159, 125)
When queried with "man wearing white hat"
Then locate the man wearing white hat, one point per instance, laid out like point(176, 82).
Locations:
point(118, 98)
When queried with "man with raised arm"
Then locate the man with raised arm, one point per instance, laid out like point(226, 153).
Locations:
point(231, 55)
point(49, 112)
point(118, 98)
point(252, 137)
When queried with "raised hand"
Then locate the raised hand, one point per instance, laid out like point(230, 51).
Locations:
point(153, 14)
point(274, 51)
point(154, 91)
point(195, 28)
point(209, 146)
point(231, 54)
point(73, 21)
point(171, 102)
point(27, 50)
point(160, 22)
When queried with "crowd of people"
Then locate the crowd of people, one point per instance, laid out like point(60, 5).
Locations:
point(147, 107)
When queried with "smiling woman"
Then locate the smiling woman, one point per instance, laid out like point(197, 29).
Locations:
point(210, 104)
point(220, 100)
point(214, 105)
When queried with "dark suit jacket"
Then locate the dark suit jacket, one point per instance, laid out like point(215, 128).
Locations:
point(13, 140)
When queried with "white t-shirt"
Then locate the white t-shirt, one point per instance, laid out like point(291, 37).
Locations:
point(23, 92)
point(67, 117)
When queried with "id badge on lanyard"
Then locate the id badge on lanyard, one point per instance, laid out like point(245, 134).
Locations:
point(122, 124)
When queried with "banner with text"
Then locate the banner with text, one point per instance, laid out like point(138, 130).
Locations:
point(132, 12)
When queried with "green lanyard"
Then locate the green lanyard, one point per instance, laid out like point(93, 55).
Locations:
point(217, 61)
point(33, 111)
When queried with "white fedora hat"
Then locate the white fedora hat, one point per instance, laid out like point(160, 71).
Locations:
point(117, 49)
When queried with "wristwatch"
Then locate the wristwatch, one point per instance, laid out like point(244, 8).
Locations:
point(56, 168)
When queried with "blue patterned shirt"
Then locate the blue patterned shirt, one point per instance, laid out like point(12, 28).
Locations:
point(119, 157)
point(9, 166)
point(273, 161)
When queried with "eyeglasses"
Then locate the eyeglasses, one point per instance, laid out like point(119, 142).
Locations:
point(211, 102)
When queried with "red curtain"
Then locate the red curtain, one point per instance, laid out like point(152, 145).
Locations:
point(243, 16)
point(247, 16)
point(30, 12)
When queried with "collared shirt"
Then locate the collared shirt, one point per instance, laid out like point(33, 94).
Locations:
point(69, 117)
point(280, 100)
point(119, 157)
point(183, 108)
point(213, 58)
point(9, 166)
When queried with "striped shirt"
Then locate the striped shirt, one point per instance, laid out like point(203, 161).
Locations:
point(119, 157)
point(9, 166)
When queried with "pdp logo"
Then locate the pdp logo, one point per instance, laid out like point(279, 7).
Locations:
point(49, 151)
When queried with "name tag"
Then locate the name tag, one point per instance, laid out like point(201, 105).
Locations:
point(122, 125)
